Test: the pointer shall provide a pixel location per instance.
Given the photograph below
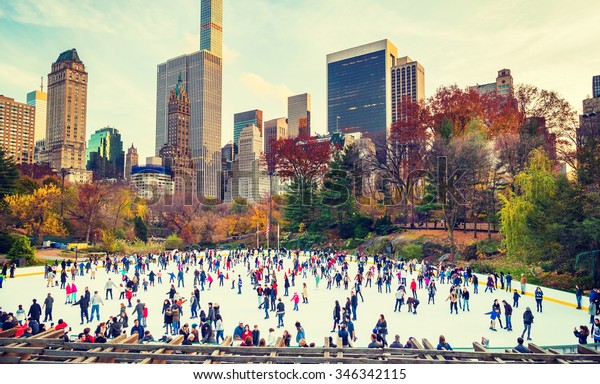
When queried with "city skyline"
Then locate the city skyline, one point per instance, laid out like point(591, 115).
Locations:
point(535, 43)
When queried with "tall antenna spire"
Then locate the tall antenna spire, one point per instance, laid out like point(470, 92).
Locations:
point(42, 83)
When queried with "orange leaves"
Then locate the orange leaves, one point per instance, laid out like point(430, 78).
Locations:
point(499, 114)
point(35, 212)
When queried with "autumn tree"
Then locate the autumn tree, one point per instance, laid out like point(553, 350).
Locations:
point(37, 213)
point(553, 115)
point(122, 205)
point(302, 161)
point(457, 165)
point(88, 205)
point(172, 215)
point(401, 155)
point(37, 171)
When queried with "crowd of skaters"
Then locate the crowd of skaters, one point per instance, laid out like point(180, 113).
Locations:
point(134, 272)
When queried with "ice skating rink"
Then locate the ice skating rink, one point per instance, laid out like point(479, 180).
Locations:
point(552, 327)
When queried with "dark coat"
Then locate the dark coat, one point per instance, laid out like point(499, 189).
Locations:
point(528, 317)
point(35, 311)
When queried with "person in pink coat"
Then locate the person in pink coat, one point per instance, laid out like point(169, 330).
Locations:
point(296, 300)
point(68, 293)
point(73, 293)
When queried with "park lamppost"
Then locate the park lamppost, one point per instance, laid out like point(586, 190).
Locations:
point(337, 123)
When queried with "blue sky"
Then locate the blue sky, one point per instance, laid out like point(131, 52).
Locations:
point(277, 48)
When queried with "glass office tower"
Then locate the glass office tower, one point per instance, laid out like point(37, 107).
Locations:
point(359, 89)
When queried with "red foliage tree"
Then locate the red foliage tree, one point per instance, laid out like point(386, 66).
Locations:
point(411, 132)
point(304, 159)
point(499, 113)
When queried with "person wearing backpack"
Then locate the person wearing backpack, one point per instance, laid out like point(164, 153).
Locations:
point(527, 321)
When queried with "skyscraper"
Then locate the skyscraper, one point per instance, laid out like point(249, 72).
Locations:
point(39, 100)
point(299, 115)
point(211, 26)
point(596, 86)
point(359, 89)
point(202, 74)
point(227, 172)
point(177, 153)
point(592, 105)
point(250, 179)
point(66, 115)
point(274, 130)
point(17, 121)
point(242, 120)
point(131, 160)
point(408, 82)
point(104, 155)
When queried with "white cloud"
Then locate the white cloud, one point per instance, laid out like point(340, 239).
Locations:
point(264, 89)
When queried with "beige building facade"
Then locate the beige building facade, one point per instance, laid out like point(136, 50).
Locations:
point(67, 115)
point(17, 122)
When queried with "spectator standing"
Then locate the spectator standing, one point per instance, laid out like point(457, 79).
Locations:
point(539, 297)
point(382, 329)
point(508, 315)
point(35, 311)
point(578, 295)
point(48, 304)
point(523, 283)
point(527, 321)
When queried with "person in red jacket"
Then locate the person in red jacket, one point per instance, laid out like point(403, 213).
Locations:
point(61, 324)
point(128, 296)
point(247, 332)
point(145, 316)
point(413, 288)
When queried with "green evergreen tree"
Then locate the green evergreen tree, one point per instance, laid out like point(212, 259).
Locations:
point(140, 229)
point(22, 247)
point(300, 204)
point(9, 175)
point(336, 204)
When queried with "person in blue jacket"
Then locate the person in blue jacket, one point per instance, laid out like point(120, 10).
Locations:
point(443, 345)
point(495, 314)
